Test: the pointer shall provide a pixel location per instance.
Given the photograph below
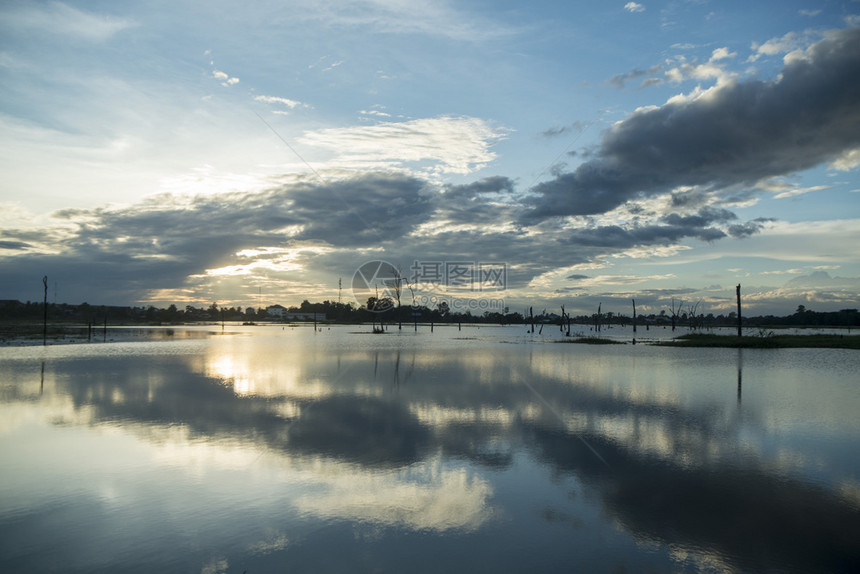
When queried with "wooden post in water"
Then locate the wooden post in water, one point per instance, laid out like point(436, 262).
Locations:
point(634, 315)
point(561, 323)
point(738, 291)
point(45, 318)
point(532, 318)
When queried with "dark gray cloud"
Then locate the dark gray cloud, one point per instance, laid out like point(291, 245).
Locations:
point(738, 134)
point(706, 216)
point(493, 184)
point(562, 130)
point(361, 211)
point(14, 245)
point(749, 228)
point(620, 80)
point(124, 253)
point(616, 237)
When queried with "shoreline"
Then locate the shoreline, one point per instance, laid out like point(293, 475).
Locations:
point(32, 335)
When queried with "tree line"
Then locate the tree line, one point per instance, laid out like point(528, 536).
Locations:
point(387, 311)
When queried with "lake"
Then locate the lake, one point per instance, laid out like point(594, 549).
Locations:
point(487, 449)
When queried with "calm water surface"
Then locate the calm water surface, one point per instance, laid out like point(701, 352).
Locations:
point(263, 449)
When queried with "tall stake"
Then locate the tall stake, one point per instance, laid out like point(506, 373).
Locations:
point(738, 291)
point(561, 324)
point(634, 315)
point(45, 319)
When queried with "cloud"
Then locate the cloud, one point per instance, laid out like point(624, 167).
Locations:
point(816, 289)
point(618, 237)
point(800, 191)
point(444, 145)
point(226, 79)
point(741, 230)
point(163, 241)
point(847, 161)
point(634, 7)
point(59, 19)
point(494, 184)
point(375, 113)
point(790, 42)
point(620, 80)
point(735, 134)
point(15, 245)
point(278, 100)
point(439, 19)
point(705, 216)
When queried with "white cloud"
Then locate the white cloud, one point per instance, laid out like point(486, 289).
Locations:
point(226, 79)
point(427, 497)
point(822, 242)
point(278, 100)
point(800, 191)
point(409, 18)
point(792, 44)
point(722, 54)
point(58, 19)
point(450, 144)
point(374, 113)
point(847, 161)
point(680, 69)
point(634, 7)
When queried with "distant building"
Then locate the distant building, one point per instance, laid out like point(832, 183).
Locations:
point(276, 311)
point(281, 312)
point(305, 316)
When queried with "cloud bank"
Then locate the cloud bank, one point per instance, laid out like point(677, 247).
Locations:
point(734, 134)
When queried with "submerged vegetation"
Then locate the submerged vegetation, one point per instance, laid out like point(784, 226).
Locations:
point(766, 341)
point(592, 341)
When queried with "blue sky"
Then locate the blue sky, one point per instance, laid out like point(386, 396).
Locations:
point(189, 152)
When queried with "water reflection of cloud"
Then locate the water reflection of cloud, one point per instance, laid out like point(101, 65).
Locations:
point(428, 496)
point(269, 377)
point(347, 440)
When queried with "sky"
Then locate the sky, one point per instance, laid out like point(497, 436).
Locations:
point(499, 154)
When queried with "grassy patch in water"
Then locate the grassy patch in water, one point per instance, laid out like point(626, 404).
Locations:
point(769, 341)
point(591, 341)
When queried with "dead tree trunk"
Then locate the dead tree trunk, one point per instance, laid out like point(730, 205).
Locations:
point(738, 291)
point(45, 318)
point(634, 315)
point(675, 312)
